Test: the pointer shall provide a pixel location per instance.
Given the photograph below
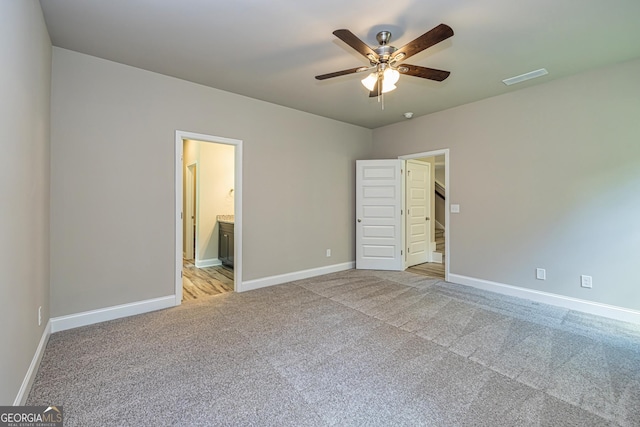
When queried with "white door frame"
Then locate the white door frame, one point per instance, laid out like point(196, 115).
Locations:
point(237, 143)
point(447, 198)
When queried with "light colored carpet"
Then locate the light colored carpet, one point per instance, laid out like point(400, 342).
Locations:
point(363, 348)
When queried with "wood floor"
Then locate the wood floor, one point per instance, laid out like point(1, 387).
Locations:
point(432, 269)
point(204, 282)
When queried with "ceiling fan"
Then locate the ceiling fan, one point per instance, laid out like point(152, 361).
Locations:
point(386, 61)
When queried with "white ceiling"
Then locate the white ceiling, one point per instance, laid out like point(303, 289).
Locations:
point(272, 49)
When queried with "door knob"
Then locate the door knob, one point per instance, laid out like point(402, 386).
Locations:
point(426, 219)
point(359, 220)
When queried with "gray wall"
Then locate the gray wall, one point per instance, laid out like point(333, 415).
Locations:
point(112, 181)
point(547, 176)
point(25, 75)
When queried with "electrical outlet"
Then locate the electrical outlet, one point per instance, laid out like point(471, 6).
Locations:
point(586, 281)
point(328, 253)
point(541, 274)
point(40, 316)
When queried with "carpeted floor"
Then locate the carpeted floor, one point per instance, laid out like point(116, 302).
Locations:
point(365, 348)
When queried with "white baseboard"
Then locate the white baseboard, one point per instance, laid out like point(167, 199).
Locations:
point(290, 277)
point(599, 309)
point(71, 321)
point(23, 393)
point(211, 262)
point(436, 257)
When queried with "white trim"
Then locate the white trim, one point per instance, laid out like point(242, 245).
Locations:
point(436, 257)
point(447, 199)
point(211, 262)
point(179, 220)
point(598, 309)
point(23, 393)
point(297, 275)
point(237, 234)
point(71, 321)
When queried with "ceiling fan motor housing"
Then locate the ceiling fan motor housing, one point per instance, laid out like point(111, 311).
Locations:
point(384, 52)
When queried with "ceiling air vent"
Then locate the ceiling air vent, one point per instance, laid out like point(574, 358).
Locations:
point(526, 76)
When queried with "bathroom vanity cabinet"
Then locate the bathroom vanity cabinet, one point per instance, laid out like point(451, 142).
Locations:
point(225, 244)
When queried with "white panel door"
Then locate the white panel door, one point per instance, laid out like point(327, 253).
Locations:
point(418, 208)
point(379, 204)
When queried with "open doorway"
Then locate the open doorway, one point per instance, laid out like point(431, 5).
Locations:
point(208, 205)
point(383, 232)
point(429, 223)
point(209, 215)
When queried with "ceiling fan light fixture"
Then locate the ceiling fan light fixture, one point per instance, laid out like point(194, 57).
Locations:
point(370, 81)
point(391, 77)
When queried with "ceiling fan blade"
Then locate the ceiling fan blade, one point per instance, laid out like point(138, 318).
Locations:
point(377, 88)
point(428, 39)
point(349, 38)
point(342, 73)
point(424, 72)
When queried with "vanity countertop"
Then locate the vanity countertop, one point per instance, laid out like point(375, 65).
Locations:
point(229, 219)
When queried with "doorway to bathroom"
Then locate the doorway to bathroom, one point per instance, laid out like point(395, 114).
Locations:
point(208, 228)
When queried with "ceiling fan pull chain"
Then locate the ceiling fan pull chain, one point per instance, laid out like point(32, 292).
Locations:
point(380, 93)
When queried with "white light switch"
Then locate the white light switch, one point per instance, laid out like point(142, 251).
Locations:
point(455, 208)
point(541, 274)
